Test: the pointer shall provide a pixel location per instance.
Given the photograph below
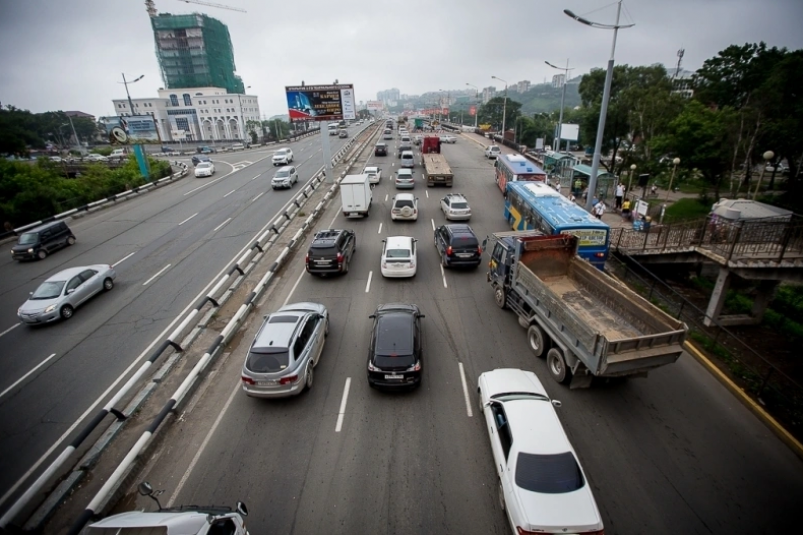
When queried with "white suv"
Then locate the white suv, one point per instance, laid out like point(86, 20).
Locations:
point(283, 157)
point(404, 207)
point(455, 207)
point(492, 151)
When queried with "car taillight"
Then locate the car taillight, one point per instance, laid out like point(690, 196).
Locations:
point(290, 379)
point(248, 380)
point(449, 251)
point(479, 249)
point(339, 258)
point(599, 255)
point(306, 259)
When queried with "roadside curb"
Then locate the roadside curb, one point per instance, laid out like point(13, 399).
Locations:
point(773, 424)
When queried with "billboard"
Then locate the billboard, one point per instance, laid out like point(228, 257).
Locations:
point(138, 127)
point(321, 102)
point(435, 111)
point(375, 105)
point(570, 132)
point(472, 110)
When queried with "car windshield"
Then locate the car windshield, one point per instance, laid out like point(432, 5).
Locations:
point(268, 359)
point(28, 238)
point(397, 253)
point(49, 290)
point(459, 205)
point(549, 474)
point(282, 174)
point(282, 152)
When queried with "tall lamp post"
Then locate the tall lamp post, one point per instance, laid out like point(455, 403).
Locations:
point(127, 94)
point(606, 94)
point(675, 164)
point(630, 178)
point(562, 99)
point(769, 155)
point(476, 103)
point(504, 107)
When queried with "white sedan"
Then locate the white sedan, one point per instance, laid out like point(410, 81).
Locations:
point(542, 486)
point(374, 174)
point(204, 169)
point(399, 256)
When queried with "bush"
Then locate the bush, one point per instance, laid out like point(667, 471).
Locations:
point(687, 209)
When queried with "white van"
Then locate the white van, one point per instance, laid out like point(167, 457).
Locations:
point(118, 153)
point(332, 129)
point(355, 195)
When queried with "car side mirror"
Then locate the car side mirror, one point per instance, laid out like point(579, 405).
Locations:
point(484, 243)
point(71, 290)
point(556, 403)
point(372, 316)
point(264, 317)
point(421, 316)
point(242, 509)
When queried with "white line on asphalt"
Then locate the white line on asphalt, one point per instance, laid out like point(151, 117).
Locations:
point(221, 225)
point(159, 273)
point(443, 274)
point(423, 178)
point(368, 284)
point(14, 326)
point(343, 402)
point(258, 196)
point(256, 177)
point(123, 259)
point(427, 192)
point(465, 390)
point(21, 379)
point(380, 229)
point(229, 193)
point(193, 215)
point(386, 197)
point(433, 223)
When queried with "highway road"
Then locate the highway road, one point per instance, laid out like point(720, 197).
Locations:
point(167, 246)
point(672, 453)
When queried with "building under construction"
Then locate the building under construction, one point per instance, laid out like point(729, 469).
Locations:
point(195, 51)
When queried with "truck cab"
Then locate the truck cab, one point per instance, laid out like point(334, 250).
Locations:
point(503, 255)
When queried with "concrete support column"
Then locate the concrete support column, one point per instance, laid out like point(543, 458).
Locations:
point(717, 300)
point(766, 291)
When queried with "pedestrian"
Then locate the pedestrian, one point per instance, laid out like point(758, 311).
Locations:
point(594, 200)
point(557, 184)
point(620, 193)
point(578, 186)
point(626, 213)
point(599, 209)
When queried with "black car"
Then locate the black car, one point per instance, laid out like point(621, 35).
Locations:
point(196, 159)
point(403, 147)
point(395, 353)
point(42, 240)
point(331, 251)
point(458, 246)
point(381, 149)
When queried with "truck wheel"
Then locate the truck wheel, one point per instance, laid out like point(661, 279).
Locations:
point(535, 337)
point(500, 296)
point(556, 364)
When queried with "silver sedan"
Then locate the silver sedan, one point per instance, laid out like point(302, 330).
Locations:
point(59, 296)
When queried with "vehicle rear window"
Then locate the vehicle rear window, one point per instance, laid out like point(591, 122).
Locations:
point(464, 241)
point(397, 253)
point(268, 360)
point(323, 249)
point(549, 474)
point(404, 202)
point(459, 205)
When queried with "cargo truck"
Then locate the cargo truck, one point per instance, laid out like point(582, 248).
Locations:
point(586, 323)
point(436, 168)
point(356, 195)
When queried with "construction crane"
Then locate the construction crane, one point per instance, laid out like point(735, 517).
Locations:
point(150, 6)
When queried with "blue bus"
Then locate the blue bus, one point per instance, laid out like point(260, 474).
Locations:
point(536, 206)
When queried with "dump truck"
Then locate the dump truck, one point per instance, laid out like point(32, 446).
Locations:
point(583, 321)
point(436, 168)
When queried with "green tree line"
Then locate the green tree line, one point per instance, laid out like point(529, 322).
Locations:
point(21, 130)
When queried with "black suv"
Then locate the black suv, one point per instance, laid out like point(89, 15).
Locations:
point(42, 240)
point(404, 147)
point(458, 246)
point(331, 251)
point(395, 354)
point(381, 149)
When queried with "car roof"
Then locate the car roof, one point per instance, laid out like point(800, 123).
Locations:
point(409, 196)
point(204, 162)
point(279, 333)
point(44, 227)
point(405, 153)
point(459, 229)
point(68, 273)
point(405, 170)
point(536, 427)
point(381, 144)
point(456, 196)
point(372, 167)
point(285, 168)
point(283, 149)
point(399, 242)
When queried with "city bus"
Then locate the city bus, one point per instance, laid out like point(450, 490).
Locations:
point(514, 168)
point(536, 206)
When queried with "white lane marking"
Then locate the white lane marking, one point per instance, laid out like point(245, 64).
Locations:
point(423, 178)
point(256, 177)
point(193, 215)
point(293, 289)
point(386, 197)
point(368, 284)
point(229, 193)
point(221, 225)
point(21, 379)
point(157, 274)
point(465, 390)
point(443, 274)
point(258, 196)
point(343, 401)
point(14, 326)
point(427, 192)
point(123, 259)
point(433, 223)
point(380, 229)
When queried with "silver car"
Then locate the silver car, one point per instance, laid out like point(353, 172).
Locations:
point(455, 207)
point(59, 296)
point(285, 351)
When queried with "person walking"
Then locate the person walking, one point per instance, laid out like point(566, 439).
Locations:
point(599, 209)
point(578, 187)
point(620, 193)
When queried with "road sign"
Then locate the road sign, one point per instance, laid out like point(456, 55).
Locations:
point(117, 135)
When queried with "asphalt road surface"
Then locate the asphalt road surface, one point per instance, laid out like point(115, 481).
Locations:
point(166, 245)
point(672, 453)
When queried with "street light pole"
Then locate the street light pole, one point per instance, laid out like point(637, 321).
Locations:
point(606, 95)
point(675, 163)
point(769, 155)
point(562, 100)
point(125, 83)
point(504, 107)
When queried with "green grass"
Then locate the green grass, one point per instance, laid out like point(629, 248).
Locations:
point(687, 209)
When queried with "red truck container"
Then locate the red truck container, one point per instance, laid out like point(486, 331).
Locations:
point(430, 145)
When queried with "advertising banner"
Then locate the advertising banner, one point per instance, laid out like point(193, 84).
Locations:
point(138, 127)
point(435, 111)
point(321, 102)
point(374, 105)
point(472, 111)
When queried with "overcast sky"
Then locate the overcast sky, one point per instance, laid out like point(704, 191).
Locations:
point(69, 54)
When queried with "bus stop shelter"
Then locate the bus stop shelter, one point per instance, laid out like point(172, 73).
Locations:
point(606, 182)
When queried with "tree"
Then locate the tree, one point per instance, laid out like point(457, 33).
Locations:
point(252, 127)
point(283, 129)
point(492, 111)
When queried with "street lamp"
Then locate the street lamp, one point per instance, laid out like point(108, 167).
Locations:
point(675, 164)
point(476, 103)
point(606, 94)
point(125, 83)
point(630, 179)
point(562, 99)
point(769, 155)
point(504, 107)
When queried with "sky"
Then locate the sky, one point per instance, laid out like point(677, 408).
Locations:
point(69, 54)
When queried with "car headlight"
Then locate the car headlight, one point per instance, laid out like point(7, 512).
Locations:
point(30, 250)
point(49, 309)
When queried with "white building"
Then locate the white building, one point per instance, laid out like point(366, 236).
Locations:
point(196, 114)
point(558, 80)
point(488, 93)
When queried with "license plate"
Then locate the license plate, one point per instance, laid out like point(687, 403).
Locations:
point(266, 383)
point(394, 377)
point(464, 255)
point(323, 261)
point(439, 179)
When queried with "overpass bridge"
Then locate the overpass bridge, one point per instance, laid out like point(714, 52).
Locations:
point(767, 250)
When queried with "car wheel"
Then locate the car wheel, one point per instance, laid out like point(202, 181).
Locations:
point(556, 363)
point(310, 375)
point(501, 496)
point(42, 254)
point(500, 297)
point(326, 329)
point(535, 337)
point(346, 267)
point(108, 284)
point(66, 312)
point(71, 240)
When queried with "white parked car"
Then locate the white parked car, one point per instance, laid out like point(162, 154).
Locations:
point(204, 169)
point(374, 174)
point(404, 207)
point(492, 151)
point(399, 256)
point(455, 207)
point(542, 486)
point(282, 157)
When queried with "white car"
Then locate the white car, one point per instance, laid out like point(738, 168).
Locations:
point(492, 151)
point(283, 157)
point(448, 139)
point(542, 486)
point(399, 256)
point(404, 207)
point(95, 158)
point(374, 174)
point(204, 169)
point(285, 177)
point(455, 207)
